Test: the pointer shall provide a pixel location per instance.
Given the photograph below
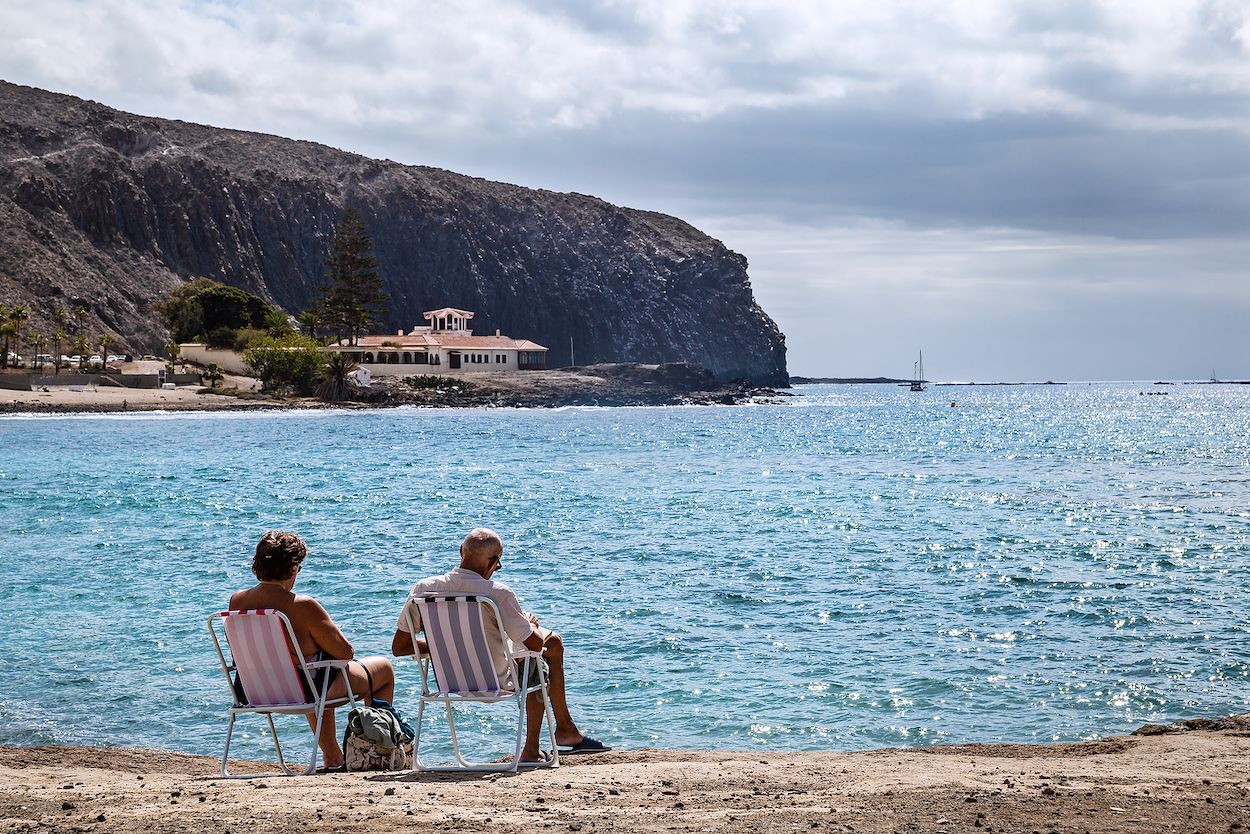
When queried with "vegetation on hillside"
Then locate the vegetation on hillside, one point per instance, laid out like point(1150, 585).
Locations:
point(207, 311)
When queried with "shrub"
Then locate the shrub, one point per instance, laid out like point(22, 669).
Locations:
point(287, 360)
point(203, 306)
point(222, 337)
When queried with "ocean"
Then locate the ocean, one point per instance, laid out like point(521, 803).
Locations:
point(855, 567)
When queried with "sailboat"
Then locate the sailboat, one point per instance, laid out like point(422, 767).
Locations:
point(917, 378)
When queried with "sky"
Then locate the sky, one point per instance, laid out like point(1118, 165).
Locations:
point(1023, 189)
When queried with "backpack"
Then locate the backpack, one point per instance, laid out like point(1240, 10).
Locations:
point(377, 737)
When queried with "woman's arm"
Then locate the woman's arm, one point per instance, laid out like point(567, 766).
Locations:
point(323, 630)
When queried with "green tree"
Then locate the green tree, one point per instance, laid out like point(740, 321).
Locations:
point(82, 348)
point(309, 321)
point(8, 331)
point(352, 297)
point(80, 314)
point(58, 339)
point(105, 342)
point(213, 374)
point(203, 309)
point(19, 316)
point(38, 343)
point(286, 360)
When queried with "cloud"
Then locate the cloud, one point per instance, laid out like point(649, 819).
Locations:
point(1065, 123)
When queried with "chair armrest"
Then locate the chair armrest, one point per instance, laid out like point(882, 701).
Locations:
point(521, 654)
point(323, 664)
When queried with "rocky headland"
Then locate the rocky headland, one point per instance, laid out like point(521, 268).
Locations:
point(114, 210)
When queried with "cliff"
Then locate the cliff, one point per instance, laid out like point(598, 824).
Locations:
point(114, 210)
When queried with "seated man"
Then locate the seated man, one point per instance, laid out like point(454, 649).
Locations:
point(480, 556)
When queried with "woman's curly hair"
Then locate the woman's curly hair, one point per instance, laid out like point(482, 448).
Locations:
point(278, 556)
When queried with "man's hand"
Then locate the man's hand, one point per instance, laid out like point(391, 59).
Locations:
point(533, 620)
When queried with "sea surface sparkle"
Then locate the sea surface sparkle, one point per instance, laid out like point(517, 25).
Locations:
point(860, 566)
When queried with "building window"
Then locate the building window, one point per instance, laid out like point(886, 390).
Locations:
point(369, 358)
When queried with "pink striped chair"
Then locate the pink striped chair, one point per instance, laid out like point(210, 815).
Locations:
point(464, 672)
point(272, 676)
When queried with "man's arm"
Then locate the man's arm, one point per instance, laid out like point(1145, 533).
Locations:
point(401, 644)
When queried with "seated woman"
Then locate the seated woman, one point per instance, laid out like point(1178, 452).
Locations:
point(279, 557)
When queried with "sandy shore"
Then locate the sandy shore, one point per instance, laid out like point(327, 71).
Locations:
point(1191, 780)
point(105, 399)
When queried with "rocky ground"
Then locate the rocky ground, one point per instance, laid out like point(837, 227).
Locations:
point(675, 383)
point(1187, 779)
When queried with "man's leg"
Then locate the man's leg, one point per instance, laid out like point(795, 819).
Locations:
point(567, 733)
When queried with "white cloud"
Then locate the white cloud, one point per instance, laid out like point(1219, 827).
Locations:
point(986, 164)
point(517, 66)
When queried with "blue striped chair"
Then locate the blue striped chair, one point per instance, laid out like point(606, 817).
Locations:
point(459, 655)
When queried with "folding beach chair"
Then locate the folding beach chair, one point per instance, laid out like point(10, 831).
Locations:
point(262, 643)
point(464, 671)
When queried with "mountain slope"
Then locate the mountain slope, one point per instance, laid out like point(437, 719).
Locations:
point(115, 210)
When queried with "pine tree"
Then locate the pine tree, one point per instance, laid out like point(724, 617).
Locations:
point(353, 297)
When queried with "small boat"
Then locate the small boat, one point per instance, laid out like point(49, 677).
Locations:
point(917, 376)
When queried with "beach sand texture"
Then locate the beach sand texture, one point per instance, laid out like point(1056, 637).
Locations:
point(1196, 780)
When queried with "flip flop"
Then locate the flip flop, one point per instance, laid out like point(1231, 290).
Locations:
point(586, 745)
point(543, 762)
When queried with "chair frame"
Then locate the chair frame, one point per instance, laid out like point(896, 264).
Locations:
point(317, 706)
point(518, 694)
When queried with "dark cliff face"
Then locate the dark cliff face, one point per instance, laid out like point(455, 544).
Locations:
point(115, 210)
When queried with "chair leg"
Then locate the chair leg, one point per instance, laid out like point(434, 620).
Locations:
point(273, 731)
point(312, 764)
point(416, 742)
point(226, 753)
point(551, 728)
point(520, 728)
point(455, 741)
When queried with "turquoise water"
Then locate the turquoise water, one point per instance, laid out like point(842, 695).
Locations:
point(858, 567)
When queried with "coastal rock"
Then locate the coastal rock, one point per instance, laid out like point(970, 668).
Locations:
point(113, 211)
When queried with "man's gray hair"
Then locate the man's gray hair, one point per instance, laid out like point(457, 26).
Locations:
point(480, 543)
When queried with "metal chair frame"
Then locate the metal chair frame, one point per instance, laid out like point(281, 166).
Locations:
point(317, 706)
point(518, 694)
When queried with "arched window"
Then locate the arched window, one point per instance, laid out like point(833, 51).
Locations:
point(369, 358)
point(407, 358)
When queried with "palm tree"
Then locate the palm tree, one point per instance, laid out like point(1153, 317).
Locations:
point(38, 342)
point(8, 330)
point(309, 321)
point(338, 381)
point(58, 338)
point(19, 315)
point(105, 341)
point(81, 347)
point(80, 314)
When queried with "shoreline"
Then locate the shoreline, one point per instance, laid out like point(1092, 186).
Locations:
point(595, 385)
point(1189, 776)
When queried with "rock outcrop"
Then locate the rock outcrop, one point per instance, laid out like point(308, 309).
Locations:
point(113, 210)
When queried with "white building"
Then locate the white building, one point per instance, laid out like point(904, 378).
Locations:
point(444, 346)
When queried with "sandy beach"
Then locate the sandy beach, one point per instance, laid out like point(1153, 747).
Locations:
point(1194, 778)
